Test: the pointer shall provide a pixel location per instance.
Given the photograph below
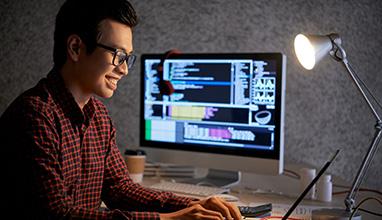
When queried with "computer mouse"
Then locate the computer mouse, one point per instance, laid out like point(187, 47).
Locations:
point(227, 197)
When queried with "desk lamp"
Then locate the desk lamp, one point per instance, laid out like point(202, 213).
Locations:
point(310, 49)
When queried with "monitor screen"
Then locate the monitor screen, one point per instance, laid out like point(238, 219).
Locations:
point(222, 104)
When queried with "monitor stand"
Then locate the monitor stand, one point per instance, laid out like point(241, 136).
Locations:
point(217, 178)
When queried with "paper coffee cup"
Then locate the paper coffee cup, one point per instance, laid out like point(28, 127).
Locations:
point(135, 162)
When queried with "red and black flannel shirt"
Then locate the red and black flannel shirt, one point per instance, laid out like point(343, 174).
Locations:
point(60, 162)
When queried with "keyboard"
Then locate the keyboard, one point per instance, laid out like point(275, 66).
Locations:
point(188, 189)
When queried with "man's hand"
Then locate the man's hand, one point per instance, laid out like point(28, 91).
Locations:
point(210, 208)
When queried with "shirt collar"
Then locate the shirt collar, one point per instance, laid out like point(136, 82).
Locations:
point(65, 99)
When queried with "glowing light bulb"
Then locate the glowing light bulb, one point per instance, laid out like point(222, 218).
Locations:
point(304, 51)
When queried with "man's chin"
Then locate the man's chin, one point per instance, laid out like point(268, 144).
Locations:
point(105, 94)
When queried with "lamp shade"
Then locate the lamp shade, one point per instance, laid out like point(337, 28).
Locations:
point(310, 49)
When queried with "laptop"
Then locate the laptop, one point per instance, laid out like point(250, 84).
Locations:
point(309, 187)
point(265, 210)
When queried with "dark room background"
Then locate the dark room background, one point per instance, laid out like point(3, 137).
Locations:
point(323, 109)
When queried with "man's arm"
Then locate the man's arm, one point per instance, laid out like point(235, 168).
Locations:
point(119, 191)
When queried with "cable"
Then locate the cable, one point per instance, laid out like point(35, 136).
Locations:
point(370, 212)
point(279, 217)
point(363, 201)
point(296, 175)
point(361, 190)
point(291, 176)
point(341, 186)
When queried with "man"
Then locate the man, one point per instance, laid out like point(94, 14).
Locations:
point(59, 154)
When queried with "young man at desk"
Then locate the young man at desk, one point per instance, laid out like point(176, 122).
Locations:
point(59, 154)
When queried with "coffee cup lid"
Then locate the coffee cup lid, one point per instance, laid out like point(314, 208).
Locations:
point(134, 152)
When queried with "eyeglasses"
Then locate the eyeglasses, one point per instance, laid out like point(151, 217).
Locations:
point(120, 56)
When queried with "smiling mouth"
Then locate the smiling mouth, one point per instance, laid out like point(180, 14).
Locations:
point(111, 82)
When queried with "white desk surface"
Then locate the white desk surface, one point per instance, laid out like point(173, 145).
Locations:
point(282, 202)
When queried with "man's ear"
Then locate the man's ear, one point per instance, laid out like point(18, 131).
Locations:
point(74, 44)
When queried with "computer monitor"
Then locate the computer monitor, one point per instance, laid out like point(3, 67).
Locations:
point(227, 111)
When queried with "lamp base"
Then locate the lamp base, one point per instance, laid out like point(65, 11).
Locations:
point(333, 214)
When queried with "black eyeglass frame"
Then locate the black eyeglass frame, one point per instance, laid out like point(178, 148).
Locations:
point(129, 58)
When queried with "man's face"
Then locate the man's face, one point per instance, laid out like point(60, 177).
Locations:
point(97, 74)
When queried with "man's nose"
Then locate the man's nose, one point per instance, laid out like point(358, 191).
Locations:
point(122, 69)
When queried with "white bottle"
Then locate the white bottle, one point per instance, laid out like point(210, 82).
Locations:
point(307, 175)
point(324, 189)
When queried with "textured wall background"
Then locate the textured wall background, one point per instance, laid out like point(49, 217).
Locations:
point(323, 109)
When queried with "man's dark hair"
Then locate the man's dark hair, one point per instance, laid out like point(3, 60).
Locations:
point(82, 17)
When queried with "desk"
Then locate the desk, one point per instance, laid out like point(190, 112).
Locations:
point(281, 203)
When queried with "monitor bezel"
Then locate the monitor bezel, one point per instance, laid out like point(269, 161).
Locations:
point(244, 152)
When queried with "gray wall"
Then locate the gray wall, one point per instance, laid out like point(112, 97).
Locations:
point(323, 109)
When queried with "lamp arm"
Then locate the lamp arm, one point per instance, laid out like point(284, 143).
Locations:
point(354, 76)
point(350, 198)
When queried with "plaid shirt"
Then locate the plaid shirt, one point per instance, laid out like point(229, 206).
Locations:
point(61, 162)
